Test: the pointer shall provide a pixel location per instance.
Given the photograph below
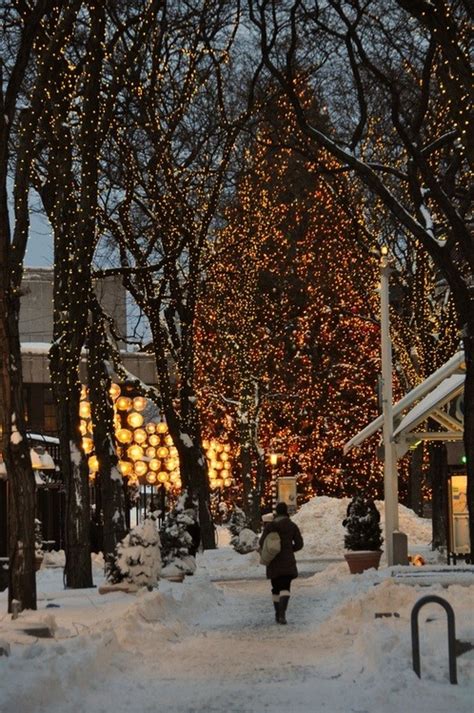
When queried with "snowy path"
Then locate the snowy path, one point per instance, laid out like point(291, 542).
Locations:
point(210, 644)
point(216, 649)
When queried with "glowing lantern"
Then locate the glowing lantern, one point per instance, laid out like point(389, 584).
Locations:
point(213, 484)
point(154, 440)
point(83, 393)
point(205, 445)
point(162, 427)
point(151, 477)
point(87, 445)
point(139, 436)
point(162, 476)
point(224, 456)
point(227, 448)
point(134, 419)
point(150, 427)
point(135, 452)
point(125, 467)
point(228, 482)
point(219, 482)
point(83, 428)
point(168, 440)
point(171, 464)
point(163, 452)
point(114, 391)
point(212, 473)
point(93, 463)
point(174, 477)
point(139, 403)
point(173, 451)
point(123, 403)
point(85, 409)
point(140, 468)
point(151, 452)
point(154, 464)
point(123, 435)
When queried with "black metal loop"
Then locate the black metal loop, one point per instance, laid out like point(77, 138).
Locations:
point(415, 638)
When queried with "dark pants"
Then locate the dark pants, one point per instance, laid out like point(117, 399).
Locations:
point(281, 584)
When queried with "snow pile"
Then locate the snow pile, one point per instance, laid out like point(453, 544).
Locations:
point(382, 614)
point(320, 522)
point(55, 558)
point(202, 646)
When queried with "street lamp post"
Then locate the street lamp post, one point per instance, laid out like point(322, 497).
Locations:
point(274, 458)
point(390, 458)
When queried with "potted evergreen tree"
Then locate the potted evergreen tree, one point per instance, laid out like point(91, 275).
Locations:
point(363, 538)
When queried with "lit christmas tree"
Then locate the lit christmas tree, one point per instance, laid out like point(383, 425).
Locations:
point(287, 317)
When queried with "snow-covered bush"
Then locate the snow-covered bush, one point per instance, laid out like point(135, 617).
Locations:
point(179, 539)
point(243, 539)
point(362, 525)
point(137, 558)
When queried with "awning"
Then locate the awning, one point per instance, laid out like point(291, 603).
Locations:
point(445, 392)
point(425, 393)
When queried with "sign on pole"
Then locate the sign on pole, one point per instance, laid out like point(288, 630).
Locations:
point(287, 492)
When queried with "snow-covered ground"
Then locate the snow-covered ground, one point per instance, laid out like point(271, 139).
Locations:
point(210, 644)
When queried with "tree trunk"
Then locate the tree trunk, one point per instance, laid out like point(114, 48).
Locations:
point(78, 568)
point(250, 491)
point(14, 446)
point(439, 475)
point(16, 453)
point(184, 429)
point(415, 481)
point(195, 481)
point(109, 476)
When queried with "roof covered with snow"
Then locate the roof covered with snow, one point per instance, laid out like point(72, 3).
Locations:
point(427, 397)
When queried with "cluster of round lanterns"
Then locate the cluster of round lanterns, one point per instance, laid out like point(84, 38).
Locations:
point(146, 451)
point(219, 463)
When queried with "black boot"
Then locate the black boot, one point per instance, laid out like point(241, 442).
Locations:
point(277, 611)
point(282, 609)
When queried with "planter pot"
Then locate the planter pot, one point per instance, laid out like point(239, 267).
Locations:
point(363, 559)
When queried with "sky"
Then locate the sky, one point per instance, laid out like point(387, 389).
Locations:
point(210, 644)
point(39, 251)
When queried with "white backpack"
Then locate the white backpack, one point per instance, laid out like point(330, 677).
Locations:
point(270, 548)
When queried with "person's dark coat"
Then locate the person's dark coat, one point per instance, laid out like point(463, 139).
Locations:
point(284, 564)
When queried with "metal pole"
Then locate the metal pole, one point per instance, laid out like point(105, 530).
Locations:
point(390, 462)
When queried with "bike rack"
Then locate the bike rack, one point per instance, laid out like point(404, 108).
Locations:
point(415, 638)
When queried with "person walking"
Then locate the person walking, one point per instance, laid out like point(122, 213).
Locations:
point(282, 569)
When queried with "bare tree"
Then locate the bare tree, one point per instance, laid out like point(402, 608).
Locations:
point(174, 135)
point(375, 60)
point(67, 176)
point(29, 53)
